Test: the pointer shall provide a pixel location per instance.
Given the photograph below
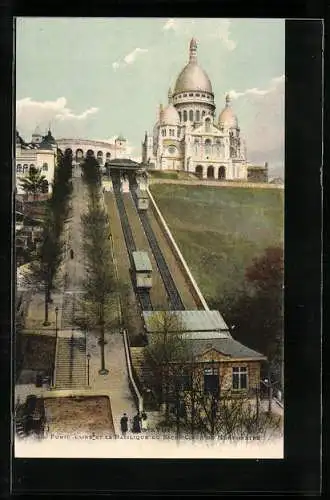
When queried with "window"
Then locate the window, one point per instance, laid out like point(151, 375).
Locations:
point(185, 116)
point(198, 115)
point(208, 124)
point(191, 95)
point(203, 114)
point(211, 381)
point(239, 378)
point(163, 132)
point(203, 95)
point(184, 95)
point(208, 146)
point(45, 167)
point(180, 116)
point(198, 95)
point(172, 150)
point(178, 132)
point(19, 168)
point(25, 167)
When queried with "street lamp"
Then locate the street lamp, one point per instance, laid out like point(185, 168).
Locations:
point(269, 386)
point(88, 360)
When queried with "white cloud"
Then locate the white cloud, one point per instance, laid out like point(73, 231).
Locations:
point(129, 58)
point(274, 84)
point(30, 113)
point(223, 34)
point(171, 24)
point(265, 122)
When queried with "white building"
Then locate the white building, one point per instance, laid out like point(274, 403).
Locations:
point(188, 136)
point(40, 153)
point(103, 151)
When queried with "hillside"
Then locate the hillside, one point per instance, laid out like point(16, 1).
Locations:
point(220, 230)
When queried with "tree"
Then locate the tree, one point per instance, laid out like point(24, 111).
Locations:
point(34, 183)
point(100, 284)
point(257, 310)
point(167, 349)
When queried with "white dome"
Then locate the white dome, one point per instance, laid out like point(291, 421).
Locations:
point(227, 118)
point(170, 116)
point(193, 77)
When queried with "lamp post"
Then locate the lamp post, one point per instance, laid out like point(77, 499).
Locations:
point(56, 324)
point(88, 360)
point(269, 386)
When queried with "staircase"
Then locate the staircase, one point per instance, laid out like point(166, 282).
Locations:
point(70, 363)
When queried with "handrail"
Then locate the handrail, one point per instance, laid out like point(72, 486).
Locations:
point(178, 252)
point(130, 374)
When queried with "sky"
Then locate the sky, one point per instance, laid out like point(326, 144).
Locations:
point(96, 78)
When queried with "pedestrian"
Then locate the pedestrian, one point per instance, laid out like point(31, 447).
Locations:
point(144, 421)
point(123, 424)
point(136, 423)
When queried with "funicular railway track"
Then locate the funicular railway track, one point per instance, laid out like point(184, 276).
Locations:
point(171, 289)
point(143, 295)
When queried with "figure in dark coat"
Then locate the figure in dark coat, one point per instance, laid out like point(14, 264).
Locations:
point(136, 423)
point(124, 424)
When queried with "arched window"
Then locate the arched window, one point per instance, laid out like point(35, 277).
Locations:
point(108, 155)
point(222, 172)
point(25, 167)
point(45, 167)
point(199, 171)
point(208, 143)
point(178, 132)
point(191, 115)
point(163, 132)
point(19, 168)
point(32, 165)
point(90, 153)
point(203, 114)
point(208, 124)
point(185, 116)
point(210, 172)
point(180, 116)
point(198, 115)
point(79, 154)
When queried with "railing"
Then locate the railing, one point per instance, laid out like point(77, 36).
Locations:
point(137, 394)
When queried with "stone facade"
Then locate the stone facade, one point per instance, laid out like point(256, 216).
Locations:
point(187, 136)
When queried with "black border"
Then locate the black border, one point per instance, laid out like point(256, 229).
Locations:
point(300, 471)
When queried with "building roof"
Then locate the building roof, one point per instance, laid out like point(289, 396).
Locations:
point(192, 321)
point(123, 162)
point(45, 145)
point(227, 346)
point(141, 261)
point(193, 77)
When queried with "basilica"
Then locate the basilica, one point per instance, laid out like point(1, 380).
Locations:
point(189, 136)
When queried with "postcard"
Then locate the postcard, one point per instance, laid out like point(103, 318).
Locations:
point(149, 174)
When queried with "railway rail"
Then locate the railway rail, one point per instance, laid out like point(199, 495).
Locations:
point(143, 295)
point(172, 291)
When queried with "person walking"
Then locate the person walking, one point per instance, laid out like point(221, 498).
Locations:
point(136, 428)
point(144, 422)
point(124, 424)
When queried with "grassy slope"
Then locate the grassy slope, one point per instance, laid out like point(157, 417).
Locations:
point(220, 230)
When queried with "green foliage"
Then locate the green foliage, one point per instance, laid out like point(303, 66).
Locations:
point(221, 230)
point(257, 311)
point(34, 183)
point(157, 174)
